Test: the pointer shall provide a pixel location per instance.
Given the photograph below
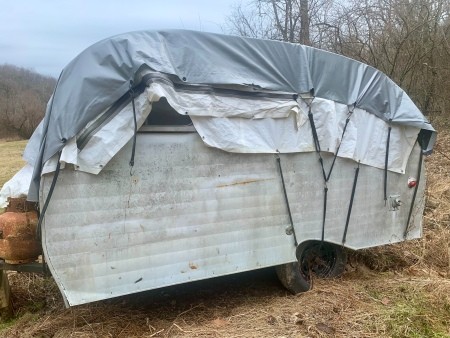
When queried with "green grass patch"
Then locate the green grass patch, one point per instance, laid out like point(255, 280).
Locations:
point(4, 324)
point(11, 159)
point(17, 321)
point(417, 318)
point(411, 311)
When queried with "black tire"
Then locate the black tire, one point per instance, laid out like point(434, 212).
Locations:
point(290, 277)
point(324, 260)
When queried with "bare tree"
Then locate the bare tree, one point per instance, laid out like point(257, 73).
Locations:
point(285, 20)
point(305, 22)
point(403, 38)
point(23, 98)
point(406, 39)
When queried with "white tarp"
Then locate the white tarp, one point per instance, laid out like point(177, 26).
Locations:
point(256, 126)
point(364, 140)
point(274, 125)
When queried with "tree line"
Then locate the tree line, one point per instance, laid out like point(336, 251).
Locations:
point(408, 40)
point(23, 99)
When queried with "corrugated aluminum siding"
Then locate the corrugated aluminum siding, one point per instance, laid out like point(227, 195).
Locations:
point(188, 212)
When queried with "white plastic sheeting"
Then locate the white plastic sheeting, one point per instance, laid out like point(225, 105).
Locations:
point(250, 125)
point(17, 186)
point(364, 139)
point(254, 125)
point(105, 143)
point(219, 105)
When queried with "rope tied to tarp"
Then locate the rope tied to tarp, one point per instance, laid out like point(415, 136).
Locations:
point(133, 149)
point(350, 206)
point(326, 177)
point(347, 120)
point(386, 162)
point(291, 229)
point(419, 173)
point(49, 194)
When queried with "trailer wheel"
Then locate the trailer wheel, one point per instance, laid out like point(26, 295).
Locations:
point(324, 260)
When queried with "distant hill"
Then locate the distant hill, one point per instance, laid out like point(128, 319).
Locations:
point(23, 99)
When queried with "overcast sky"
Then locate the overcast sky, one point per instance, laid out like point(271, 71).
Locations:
point(45, 35)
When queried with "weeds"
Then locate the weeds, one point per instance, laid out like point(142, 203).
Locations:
point(410, 315)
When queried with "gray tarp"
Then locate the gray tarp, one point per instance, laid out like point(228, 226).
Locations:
point(101, 74)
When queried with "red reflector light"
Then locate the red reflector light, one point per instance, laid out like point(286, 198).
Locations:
point(412, 182)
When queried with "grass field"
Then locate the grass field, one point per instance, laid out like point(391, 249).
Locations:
point(393, 291)
point(10, 159)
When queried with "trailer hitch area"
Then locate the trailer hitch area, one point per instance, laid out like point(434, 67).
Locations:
point(394, 202)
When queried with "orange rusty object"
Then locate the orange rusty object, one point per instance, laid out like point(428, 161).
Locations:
point(18, 243)
point(20, 205)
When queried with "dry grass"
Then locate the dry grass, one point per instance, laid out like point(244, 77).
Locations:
point(10, 159)
point(400, 290)
point(363, 303)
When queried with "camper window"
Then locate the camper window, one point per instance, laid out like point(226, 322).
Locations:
point(163, 118)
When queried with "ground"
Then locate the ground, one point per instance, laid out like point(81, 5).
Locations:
point(399, 290)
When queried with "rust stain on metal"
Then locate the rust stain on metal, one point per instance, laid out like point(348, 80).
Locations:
point(193, 266)
point(243, 182)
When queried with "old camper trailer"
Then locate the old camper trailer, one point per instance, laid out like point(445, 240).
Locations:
point(173, 156)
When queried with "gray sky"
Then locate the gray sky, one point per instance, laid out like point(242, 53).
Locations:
point(45, 35)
